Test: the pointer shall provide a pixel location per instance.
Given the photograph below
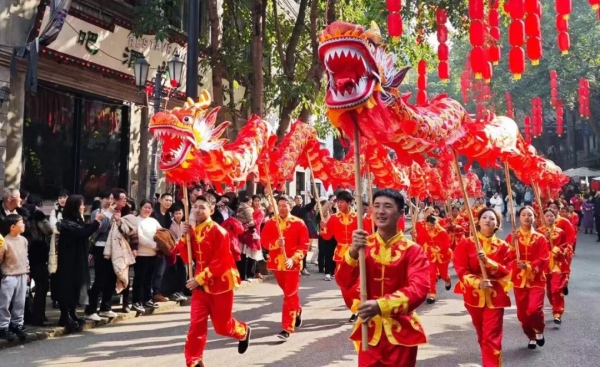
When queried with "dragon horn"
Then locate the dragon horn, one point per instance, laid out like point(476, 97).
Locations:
point(375, 28)
point(204, 100)
point(188, 103)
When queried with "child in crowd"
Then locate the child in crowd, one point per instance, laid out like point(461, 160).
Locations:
point(14, 266)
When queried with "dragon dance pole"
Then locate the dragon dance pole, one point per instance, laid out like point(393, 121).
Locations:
point(538, 199)
point(362, 266)
point(370, 191)
point(312, 176)
point(275, 209)
point(513, 220)
point(186, 212)
point(469, 212)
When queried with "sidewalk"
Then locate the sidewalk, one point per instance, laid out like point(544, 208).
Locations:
point(35, 333)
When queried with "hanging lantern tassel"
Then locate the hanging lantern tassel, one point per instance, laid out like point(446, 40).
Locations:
point(516, 62)
point(595, 4)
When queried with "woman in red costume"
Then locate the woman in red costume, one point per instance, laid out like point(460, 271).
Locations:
point(457, 227)
point(528, 276)
point(437, 247)
point(558, 270)
point(485, 297)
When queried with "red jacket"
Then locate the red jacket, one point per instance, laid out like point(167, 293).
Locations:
point(295, 234)
point(533, 249)
point(561, 251)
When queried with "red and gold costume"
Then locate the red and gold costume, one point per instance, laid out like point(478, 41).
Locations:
point(437, 247)
point(340, 226)
point(397, 277)
point(530, 283)
point(296, 242)
point(457, 228)
point(486, 307)
point(574, 219)
point(558, 269)
point(217, 275)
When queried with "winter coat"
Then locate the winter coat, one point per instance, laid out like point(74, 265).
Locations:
point(245, 214)
point(55, 218)
point(73, 272)
point(119, 249)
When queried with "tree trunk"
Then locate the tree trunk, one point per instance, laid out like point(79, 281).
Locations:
point(215, 54)
point(257, 57)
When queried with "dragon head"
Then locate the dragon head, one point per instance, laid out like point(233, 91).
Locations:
point(184, 131)
point(358, 66)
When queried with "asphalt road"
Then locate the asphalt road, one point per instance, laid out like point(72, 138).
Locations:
point(158, 340)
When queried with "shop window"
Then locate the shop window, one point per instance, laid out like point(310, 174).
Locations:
point(300, 183)
point(74, 141)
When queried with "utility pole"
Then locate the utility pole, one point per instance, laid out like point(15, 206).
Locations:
point(191, 81)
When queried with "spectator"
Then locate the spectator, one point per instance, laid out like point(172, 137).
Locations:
point(304, 212)
point(326, 247)
point(146, 259)
point(175, 275)
point(163, 215)
point(497, 203)
point(250, 240)
point(588, 215)
point(528, 197)
point(597, 214)
point(73, 273)
point(14, 266)
point(55, 218)
point(224, 210)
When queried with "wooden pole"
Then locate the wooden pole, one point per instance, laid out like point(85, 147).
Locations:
point(312, 176)
point(275, 209)
point(359, 218)
point(186, 212)
point(469, 212)
point(513, 220)
point(370, 193)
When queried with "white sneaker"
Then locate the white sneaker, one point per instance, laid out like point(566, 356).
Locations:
point(93, 317)
point(328, 277)
point(109, 314)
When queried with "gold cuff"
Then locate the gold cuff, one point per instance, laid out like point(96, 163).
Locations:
point(384, 307)
point(349, 260)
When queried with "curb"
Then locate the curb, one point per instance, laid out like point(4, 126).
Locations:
point(42, 333)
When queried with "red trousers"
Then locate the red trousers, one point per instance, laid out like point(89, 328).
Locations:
point(530, 310)
point(350, 295)
point(554, 287)
point(218, 307)
point(434, 270)
point(488, 324)
point(385, 354)
point(289, 282)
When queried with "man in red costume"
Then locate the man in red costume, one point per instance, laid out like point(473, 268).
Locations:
point(437, 247)
point(212, 287)
point(340, 226)
point(286, 238)
point(397, 283)
point(457, 228)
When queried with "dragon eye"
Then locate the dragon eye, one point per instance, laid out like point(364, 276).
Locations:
point(187, 119)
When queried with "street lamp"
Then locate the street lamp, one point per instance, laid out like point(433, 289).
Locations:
point(4, 94)
point(141, 69)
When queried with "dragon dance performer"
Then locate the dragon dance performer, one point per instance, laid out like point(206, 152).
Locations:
point(558, 269)
point(437, 247)
point(419, 231)
point(340, 226)
point(397, 283)
point(285, 260)
point(212, 287)
point(457, 227)
point(570, 215)
point(570, 235)
point(529, 278)
point(485, 299)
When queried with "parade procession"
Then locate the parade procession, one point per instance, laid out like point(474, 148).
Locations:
point(441, 232)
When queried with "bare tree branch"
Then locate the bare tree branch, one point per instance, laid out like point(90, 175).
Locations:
point(296, 34)
point(279, 36)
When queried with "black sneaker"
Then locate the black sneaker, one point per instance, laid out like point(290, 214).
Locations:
point(138, 307)
point(19, 330)
point(352, 319)
point(243, 344)
point(283, 335)
point(532, 344)
point(7, 334)
point(430, 300)
point(448, 285)
point(298, 319)
point(566, 290)
point(126, 309)
point(557, 321)
point(151, 304)
point(540, 340)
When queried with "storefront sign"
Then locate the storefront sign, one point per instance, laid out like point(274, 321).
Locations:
point(116, 50)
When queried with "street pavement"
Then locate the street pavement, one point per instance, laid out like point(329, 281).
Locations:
point(158, 340)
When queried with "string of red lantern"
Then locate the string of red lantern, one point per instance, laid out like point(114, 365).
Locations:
point(553, 88)
point(422, 83)
point(443, 50)
point(533, 30)
point(477, 37)
point(494, 23)
point(559, 118)
point(527, 124)
point(536, 115)
point(563, 9)
point(509, 106)
point(584, 98)
point(516, 37)
point(394, 20)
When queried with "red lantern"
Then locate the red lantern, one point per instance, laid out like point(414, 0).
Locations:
point(476, 9)
point(563, 7)
point(444, 71)
point(494, 54)
point(559, 119)
point(394, 25)
point(495, 33)
point(532, 25)
point(553, 74)
point(442, 34)
point(422, 82)
point(442, 52)
point(487, 72)
point(440, 16)
point(562, 24)
point(532, 6)
point(534, 50)
point(421, 98)
point(516, 62)
point(564, 42)
point(422, 67)
point(477, 33)
point(516, 9)
point(478, 59)
point(595, 4)
point(393, 6)
point(516, 33)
